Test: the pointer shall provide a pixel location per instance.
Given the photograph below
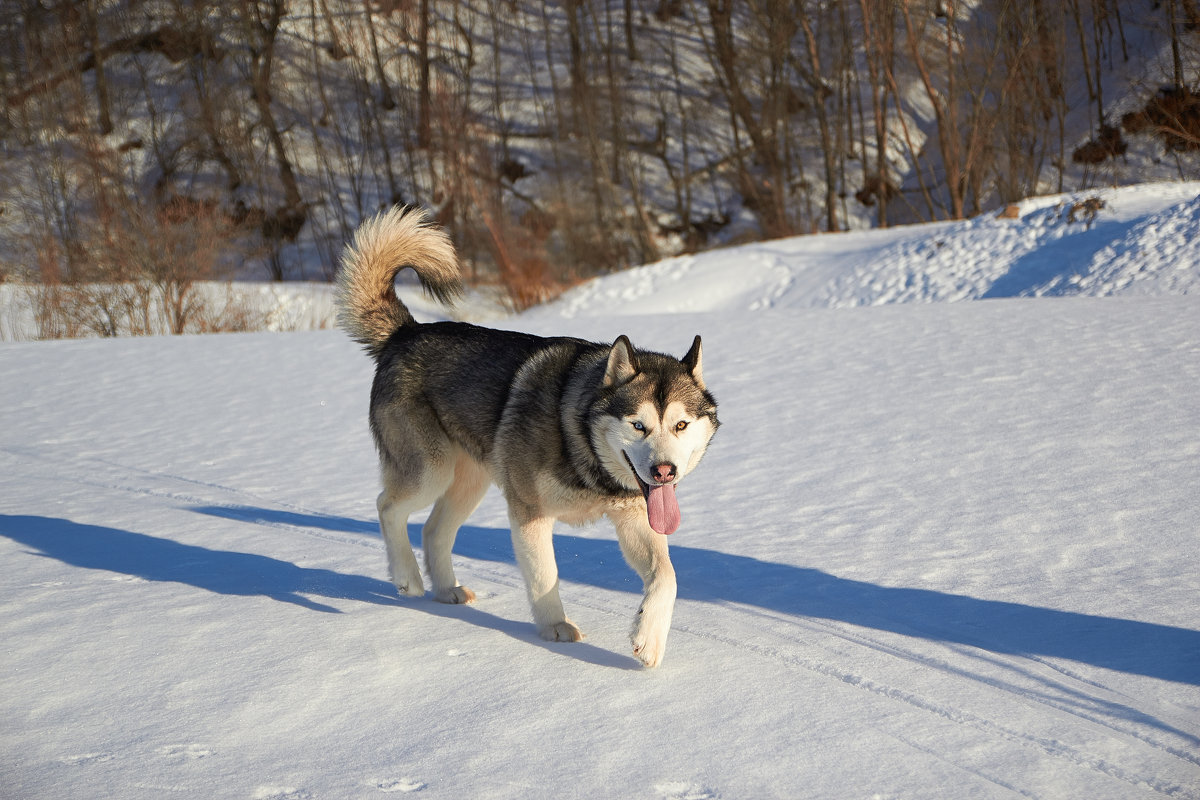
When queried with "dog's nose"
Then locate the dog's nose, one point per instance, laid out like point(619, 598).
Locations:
point(663, 473)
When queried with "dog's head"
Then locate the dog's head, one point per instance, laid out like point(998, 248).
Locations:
point(658, 420)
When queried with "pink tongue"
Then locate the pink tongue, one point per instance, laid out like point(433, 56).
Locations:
point(662, 508)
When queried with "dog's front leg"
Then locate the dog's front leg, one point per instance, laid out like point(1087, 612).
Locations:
point(532, 542)
point(646, 552)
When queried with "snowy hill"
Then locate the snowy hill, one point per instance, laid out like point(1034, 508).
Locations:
point(1136, 240)
point(1142, 240)
point(583, 137)
point(936, 550)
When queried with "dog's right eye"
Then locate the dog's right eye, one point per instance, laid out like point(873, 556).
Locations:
point(639, 427)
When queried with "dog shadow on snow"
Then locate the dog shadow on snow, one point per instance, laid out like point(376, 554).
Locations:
point(1141, 648)
point(160, 560)
point(156, 559)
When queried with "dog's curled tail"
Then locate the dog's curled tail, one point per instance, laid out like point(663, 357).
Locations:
point(368, 308)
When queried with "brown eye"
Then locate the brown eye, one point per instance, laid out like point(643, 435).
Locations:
point(680, 426)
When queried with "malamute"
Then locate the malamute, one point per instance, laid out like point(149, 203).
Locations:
point(568, 429)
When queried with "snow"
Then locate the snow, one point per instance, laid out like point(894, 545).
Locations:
point(936, 550)
point(1141, 240)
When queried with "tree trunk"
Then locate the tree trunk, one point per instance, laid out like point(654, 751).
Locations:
point(104, 115)
point(768, 199)
point(424, 106)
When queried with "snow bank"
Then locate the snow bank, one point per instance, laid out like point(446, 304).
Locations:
point(1139, 240)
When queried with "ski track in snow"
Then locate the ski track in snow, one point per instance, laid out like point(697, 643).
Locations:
point(1094, 703)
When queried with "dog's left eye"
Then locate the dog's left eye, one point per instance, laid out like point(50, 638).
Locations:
point(639, 427)
point(681, 425)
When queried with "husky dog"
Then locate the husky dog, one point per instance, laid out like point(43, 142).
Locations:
point(568, 429)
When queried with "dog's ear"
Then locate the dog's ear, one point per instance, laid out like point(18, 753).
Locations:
point(622, 363)
point(692, 362)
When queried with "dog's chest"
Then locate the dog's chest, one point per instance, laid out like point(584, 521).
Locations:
point(571, 505)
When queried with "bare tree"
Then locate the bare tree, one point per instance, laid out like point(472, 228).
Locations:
point(260, 20)
point(813, 74)
point(765, 192)
point(878, 25)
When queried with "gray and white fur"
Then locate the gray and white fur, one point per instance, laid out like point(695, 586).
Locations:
point(568, 429)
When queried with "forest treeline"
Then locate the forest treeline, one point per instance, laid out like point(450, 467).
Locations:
point(157, 142)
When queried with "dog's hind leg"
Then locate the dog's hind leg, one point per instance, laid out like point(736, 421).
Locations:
point(646, 552)
point(449, 513)
point(532, 542)
point(404, 492)
point(405, 573)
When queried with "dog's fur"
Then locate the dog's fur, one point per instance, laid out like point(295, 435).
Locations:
point(569, 430)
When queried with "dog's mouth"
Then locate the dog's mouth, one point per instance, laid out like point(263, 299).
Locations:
point(662, 509)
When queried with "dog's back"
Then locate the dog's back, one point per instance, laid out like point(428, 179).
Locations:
point(466, 375)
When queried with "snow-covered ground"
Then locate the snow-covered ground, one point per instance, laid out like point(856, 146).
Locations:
point(936, 550)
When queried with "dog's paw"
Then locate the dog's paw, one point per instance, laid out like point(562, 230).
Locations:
point(409, 588)
point(649, 643)
point(407, 579)
point(455, 595)
point(649, 652)
point(564, 631)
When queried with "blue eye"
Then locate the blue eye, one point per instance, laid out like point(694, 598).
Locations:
point(639, 427)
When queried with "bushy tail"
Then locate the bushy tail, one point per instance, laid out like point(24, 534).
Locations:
point(368, 308)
